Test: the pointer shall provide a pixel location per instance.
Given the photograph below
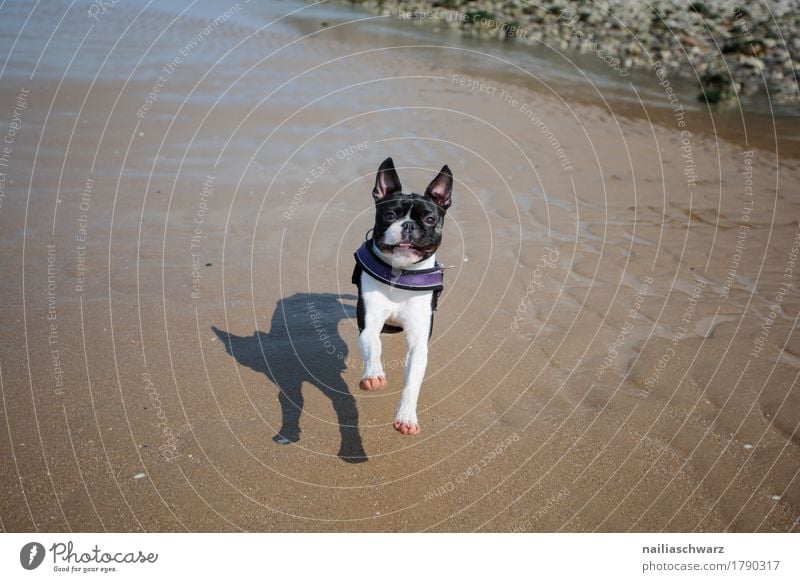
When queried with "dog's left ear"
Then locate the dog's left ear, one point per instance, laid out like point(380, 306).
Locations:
point(386, 182)
point(441, 188)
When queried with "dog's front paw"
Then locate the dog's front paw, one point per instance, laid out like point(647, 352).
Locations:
point(371, 383)
point(406, 424)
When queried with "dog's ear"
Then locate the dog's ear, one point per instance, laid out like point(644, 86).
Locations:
point(386, 182)
point(441, 188)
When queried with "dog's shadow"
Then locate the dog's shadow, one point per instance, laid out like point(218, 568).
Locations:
point(304, 345)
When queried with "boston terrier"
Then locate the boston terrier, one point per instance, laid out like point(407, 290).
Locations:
point(399, 281)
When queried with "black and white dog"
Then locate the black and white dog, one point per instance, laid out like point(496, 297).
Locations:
point(399, 281)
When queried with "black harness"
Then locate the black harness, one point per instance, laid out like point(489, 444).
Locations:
point(422, 280)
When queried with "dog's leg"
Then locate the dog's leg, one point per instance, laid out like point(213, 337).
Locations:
point(416, 362)
point(369, 341)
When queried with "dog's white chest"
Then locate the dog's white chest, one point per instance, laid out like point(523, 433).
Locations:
point(397, 306)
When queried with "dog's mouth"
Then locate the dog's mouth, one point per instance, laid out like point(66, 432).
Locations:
point(405, 246)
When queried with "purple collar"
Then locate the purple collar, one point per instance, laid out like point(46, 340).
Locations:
point(421, 280)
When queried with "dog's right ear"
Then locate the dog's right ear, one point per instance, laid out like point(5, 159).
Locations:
point(386, 182)
point(441, 188)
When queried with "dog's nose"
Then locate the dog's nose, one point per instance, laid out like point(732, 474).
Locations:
point(408, 226)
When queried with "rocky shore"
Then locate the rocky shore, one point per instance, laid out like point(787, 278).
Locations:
point(732, 48)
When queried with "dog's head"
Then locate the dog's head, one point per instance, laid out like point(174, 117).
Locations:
point(408, 227)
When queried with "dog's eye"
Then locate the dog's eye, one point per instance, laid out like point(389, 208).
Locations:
point(430, 220)
point(389, 216)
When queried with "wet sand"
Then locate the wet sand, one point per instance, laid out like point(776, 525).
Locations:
point(615, 349)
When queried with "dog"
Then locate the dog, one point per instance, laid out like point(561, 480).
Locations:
point(399, 281)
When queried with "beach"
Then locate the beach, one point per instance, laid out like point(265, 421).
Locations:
point(183, 187)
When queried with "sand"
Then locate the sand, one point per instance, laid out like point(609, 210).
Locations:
point(615, 348)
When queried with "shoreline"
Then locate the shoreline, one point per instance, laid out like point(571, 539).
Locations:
point(727, 48)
